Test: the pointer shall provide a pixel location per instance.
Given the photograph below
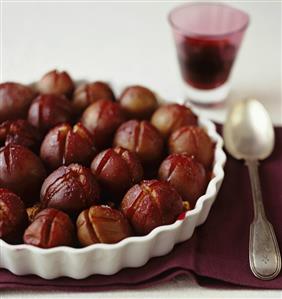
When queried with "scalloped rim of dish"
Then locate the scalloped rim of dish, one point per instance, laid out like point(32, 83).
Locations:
point(218, 172)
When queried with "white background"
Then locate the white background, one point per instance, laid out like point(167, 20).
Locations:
point(131, 42)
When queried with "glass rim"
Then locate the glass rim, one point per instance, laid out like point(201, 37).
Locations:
point(201, 35)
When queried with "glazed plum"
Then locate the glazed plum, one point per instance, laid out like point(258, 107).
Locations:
point(186, 175)
point(194, 141)
point(89, 93)
point(102, 224)
point(21, 171)
point(50, 228)
point(19, 132)
point(142, 138)
point(101, 119)
point(13, 217)
point(64, 145)
point(55, 82)
point(71, 189)
point(15, 100)
point(169, 118)
point(117, 169)
point(47, 111)
point(138, 102)
point(150, 204)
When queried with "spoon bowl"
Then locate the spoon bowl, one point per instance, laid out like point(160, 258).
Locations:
point(248, 132)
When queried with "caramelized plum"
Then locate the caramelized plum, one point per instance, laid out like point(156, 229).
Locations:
point(55, 82)
point(87, 94)
point(19, 132)
point(64, 145)
point(50, 228)
point(70, 189)
point(102, 118)
point(186, 175)
point(102, 224)
point(169, 118)
point(15, 100)
point(142, 138)
point(194, 141)
point(117, 169)
point(151, 204)
point(13, 217)
point(47, 111)
point(138, 102)
point(21, 171)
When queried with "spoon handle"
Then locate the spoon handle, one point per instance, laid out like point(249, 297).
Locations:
point(264, 254)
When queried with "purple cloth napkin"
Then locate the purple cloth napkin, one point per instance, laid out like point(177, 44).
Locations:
point(217, 254)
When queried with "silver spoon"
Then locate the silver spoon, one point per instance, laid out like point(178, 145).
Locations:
point(248, 134)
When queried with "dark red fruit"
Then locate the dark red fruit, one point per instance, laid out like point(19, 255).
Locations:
point(50, 228)
point(117, 169)
point(13, 217)
point(102, 224)
point(142, 138)
point(138, 102)
point(15, 100)
point(19, 132)
point(193, 141)
point(102, 118)
point(55, 82)
point(89, 93)
point(169, 118)
point(71, 189)
point(64, 145)
point(47, 111)
point(21, 171)
point(151, 204)
point(186, 175)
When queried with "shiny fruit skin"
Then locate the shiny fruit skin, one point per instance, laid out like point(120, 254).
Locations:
point(71, 189)
point(50, 228)
point(102, 224)
point(21, 171)
point(150, 204)
point(186, 175)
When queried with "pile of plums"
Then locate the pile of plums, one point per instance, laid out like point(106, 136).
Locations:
point(79, 165)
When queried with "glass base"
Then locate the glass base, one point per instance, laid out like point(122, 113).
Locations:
point(207, 97)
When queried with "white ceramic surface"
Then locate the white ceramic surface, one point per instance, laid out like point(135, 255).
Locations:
point(108, 259)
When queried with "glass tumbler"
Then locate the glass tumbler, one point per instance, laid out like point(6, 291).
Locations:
point(207, 38)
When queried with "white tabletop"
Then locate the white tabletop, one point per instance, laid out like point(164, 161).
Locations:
point(131, 42)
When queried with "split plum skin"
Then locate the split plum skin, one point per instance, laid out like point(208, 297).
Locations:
point(186, 175)
point(65, 144)
point(138, 102)
point(101, 119)
point(21, 171)
point(50, 228)
point(13, 216)
point(116, 170)
point(150, 204)
point(70, 189)
point(170, 117)
point(48, 110)
point(15, 100)
point(57, 83)
point(141, 138)
point(102, 224)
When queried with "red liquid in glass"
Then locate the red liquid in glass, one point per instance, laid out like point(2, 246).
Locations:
point(205, 64)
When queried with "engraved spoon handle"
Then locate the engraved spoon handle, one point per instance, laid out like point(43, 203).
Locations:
point(264, 254)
